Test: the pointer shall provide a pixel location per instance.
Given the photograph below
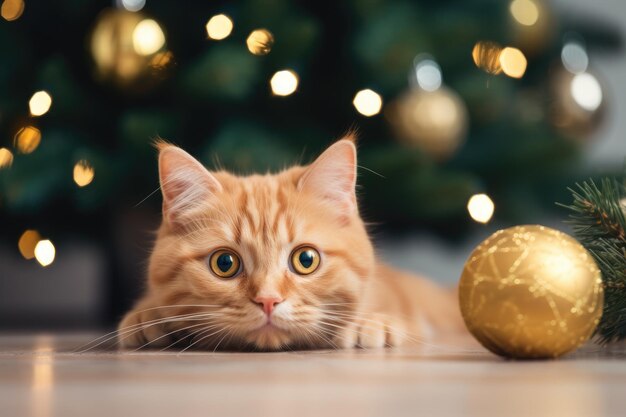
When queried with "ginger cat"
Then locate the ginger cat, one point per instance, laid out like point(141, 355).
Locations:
point(271, 262)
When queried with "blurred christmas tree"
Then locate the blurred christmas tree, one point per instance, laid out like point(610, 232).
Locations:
point(453, 99)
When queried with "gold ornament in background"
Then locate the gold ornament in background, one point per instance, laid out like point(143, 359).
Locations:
point(434, 121)
point(577, 105)
point(125, 46)
point(531, 292)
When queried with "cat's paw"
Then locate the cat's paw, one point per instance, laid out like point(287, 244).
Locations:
point(379, 330)
point(142, 329)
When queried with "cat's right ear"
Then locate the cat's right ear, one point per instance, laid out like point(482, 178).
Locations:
point(185, 182)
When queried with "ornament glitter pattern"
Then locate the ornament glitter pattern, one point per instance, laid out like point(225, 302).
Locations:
point(531, 292)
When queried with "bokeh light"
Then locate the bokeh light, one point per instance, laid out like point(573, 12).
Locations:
point(45, 252)
point(480, 208)
point(6, 158)
point(428, 74)
point(486, 56)
point(162, 60)
point(131, 5)
point(284, 82)
point(27, 139)
point(574, 57)
point(27, 243)
point(586, 91)
point(12, 9)
point(368, 102)
point(525, 12)
point(83, 173)
point(148, 37)
point(260, 42)
point(219, 27)
point(513, 62)
point(40, 103)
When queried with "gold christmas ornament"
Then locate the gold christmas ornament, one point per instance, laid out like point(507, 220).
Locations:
point(125, 46)
point(531, 292)
point(434, 121)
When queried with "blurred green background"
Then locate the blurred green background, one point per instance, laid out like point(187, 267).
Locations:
point(450, 99)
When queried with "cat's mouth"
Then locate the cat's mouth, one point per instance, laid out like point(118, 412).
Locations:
point(270, 326)
point(269, 336)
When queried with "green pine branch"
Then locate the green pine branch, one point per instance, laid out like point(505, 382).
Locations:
point(599, 222)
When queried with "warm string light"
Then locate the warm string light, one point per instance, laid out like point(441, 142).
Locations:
point(6, 158)
point(493, 59)
point(513, 62)
point(27, 139)
point(162, 60)
point(525, 12)
point(44, 252)
point(219, 27)
point(40, 103)
point(480, 208)
point(83, 173)
point(12, 9)
point(31, 245)
point(486, 56)
point(368, 102)
point(27, 243)
point(284, 82)
point(148, 37)
point(260, 42)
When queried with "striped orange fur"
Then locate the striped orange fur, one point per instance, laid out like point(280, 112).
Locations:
point(350, 300)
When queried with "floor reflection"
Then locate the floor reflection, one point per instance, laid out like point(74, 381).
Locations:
point(42, 377)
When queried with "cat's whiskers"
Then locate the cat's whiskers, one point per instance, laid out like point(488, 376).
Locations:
point(192, 334)
point(307, 327)
point(133, 328)
point(202, 338)
point(109, 336)
point(223, 337)
point(163, 336)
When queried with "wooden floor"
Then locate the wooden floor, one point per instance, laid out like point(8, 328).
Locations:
point(41, 376)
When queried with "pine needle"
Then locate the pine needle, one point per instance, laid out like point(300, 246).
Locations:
point(598, 220)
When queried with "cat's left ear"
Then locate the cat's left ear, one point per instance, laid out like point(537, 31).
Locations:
point(333, 176)
point(185, 183)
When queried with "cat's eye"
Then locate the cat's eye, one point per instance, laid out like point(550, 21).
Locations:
point(305, 260)
point(225, 263)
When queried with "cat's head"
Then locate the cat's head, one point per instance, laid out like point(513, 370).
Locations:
point(281, 259)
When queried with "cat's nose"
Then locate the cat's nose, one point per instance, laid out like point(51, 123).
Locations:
point(268, 303)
